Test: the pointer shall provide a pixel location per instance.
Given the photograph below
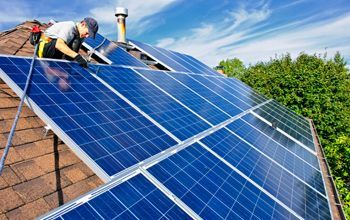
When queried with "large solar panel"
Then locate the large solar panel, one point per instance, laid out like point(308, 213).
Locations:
point(292, 124)
point(176, 118)
point(185, 95)
point(284, 186)
point(278, 153)
point(213, 190)
point(207, 93)
point(242, 101)
point(174, 61)
point(103, 128)
point(291, 145)
point(136, 198)
point(111, 52)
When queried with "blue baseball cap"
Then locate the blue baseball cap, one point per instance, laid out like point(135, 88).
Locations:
point(92, 26)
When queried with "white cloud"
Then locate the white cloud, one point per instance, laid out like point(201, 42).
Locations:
point(207, 41)
point(139, 12)
point(236, 37)
point(165, 42)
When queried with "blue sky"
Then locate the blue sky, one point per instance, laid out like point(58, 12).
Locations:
point(210, 30)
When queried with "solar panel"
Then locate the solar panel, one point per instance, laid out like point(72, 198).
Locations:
point(212, 189)
point(102, 128)
point(136, 198)
point(174, 61)
point(292, 124)
point(271, 132)
point(185, 95)
point(111, 52)
point(207, 93)
point(288, 189)
point(176, 118)
point(240, 100)
point(290, 161)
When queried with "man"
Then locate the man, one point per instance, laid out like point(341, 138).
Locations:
point(65, 38)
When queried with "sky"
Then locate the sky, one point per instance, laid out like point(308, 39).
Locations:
point(210, 30)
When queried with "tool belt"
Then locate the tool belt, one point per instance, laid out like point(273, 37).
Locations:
point(43, 41)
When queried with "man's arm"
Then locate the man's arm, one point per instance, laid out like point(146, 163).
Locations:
point(62, 46)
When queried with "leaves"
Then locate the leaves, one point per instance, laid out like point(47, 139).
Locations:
point(317, 88)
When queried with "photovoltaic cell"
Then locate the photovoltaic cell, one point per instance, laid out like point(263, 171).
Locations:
point(166, 111)
point(113, 134)
point(207, 93)
point(136, 198)
point(191, 99)
point(282, 139)
point(292, 124)
point(292, 192)
point(212, 189)
point(279, 153)
point(111, 51)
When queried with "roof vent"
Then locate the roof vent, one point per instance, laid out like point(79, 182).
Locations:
point(121, 13)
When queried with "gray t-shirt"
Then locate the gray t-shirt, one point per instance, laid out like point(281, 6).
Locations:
point(64, 30)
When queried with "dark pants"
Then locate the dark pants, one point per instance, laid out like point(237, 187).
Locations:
point(50, 50)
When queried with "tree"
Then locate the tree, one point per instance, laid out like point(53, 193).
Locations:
point(233, 67)
point(317, 88)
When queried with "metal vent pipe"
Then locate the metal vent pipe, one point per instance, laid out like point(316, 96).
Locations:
point(121, 13)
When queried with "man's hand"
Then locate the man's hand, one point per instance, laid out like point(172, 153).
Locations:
point(81, 60)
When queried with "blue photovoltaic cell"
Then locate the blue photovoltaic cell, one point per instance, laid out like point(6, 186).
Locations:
point(299, 197)
point(189, 98)
point(161, 107)
point(283, 140)
point(205, 92)
point(212, 189)
point(279, 153)
point(114, 53)
point(292, 124)
point(136, 198)
point(153, 52)
point(104, 126)
point(242, 101)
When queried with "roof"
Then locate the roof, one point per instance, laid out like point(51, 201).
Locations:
point(40, 173)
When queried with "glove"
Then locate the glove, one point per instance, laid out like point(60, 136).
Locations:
point(81, 60)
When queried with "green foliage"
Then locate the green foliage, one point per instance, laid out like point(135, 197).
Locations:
point(317, 88)
point(233, 67)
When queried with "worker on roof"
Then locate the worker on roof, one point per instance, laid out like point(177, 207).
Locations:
point(63, 39)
